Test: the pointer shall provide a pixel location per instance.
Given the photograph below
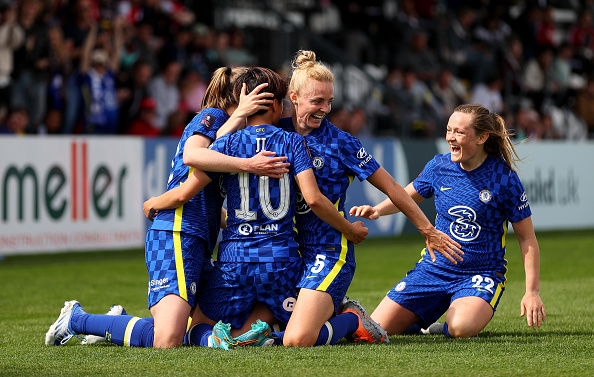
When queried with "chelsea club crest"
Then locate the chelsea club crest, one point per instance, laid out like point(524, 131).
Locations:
point(317, 162)
point(485, 196)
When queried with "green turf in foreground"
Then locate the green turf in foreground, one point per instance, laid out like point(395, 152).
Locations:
point(35, 287)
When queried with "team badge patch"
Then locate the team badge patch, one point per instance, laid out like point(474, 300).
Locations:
point(318, 163)
point(400, 286)
point(193, 288)
point(207, 121)
point(485, 196)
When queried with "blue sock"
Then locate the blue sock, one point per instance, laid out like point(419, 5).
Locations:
point(123, 330)
point(445, 330)
point(414, 329)
point(198, 335)
point(336, 328)
point(331, 332)
point(278, 337)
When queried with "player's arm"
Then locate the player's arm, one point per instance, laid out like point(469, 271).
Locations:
point(325, 210)
point(248, 104)
point(384, 208)
point(434, 239)
point(177, 196)
point(197, 155)
point(531, 304)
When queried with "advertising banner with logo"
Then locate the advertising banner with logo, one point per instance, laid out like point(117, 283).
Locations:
point(65, 193)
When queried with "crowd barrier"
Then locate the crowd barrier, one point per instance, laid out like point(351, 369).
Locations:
point(61, 193)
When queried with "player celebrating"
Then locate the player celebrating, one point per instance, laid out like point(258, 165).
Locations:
point(476, 193)
point(258, 258)
point(177, 249)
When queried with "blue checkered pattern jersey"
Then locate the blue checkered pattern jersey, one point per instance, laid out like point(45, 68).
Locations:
point(474, 207)
point(337, 158)
point(201, 216)
point(261, 210)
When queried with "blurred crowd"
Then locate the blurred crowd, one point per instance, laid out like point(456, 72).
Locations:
point(140, 67)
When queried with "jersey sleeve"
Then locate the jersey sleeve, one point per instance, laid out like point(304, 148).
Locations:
point(301, 154)
point(208, 121)
point(423, 184)
point(515, 200)
point(354, 156)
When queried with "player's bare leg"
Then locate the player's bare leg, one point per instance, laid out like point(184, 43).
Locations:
point(312, 310)
point(171, 315)
point(393, 317)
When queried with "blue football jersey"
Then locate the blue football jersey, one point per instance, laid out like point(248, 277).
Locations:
point(337, 158)
point(201, 216)
point(474, 207)
point(261, 210)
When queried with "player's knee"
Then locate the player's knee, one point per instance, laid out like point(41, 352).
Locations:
point(167, 340)
point(301, 339)
point(460, 330)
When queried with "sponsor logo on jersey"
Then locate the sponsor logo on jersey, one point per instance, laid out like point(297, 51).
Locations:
point(318, 163)
point(485, 196)
point(362, 153)
point(247, 229)
point(464, 227)
point(524, 199)
point(207, 121)
point(157, 284)
point(301, 206)
point(400, 286)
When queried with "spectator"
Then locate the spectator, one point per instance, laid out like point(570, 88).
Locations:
point(144, 122)
point(581, 38)
point(233, 52)
point(537, 78)
point(132, 92)
point(450, 93)
point(98, 69)
point(52, 122)
point(419, 55)
point(489, 94)
point(546, 32)
point(584, 105)
point(32, 64)
point(165, 91)
point(16, 122)
point(192, 88)
point(11, 37)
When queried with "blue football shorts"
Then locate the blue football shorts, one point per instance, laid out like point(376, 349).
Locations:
point(428, 290)
point(327, 272)
point(235, 287)
point(177, 263)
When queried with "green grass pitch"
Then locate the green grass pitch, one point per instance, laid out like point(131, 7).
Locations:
point(34, 288)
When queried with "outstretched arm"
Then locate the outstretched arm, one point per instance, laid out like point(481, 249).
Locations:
point(325, 210)
point(177, 196)
point(209, 160)
point(434, 239)
point(531, 304)
point(384, 208)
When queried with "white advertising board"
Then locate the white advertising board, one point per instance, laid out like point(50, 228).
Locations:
point(70, 193)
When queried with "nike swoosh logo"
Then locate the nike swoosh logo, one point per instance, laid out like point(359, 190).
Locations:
point(444, 188)
point(481, 290)
point(309, 277)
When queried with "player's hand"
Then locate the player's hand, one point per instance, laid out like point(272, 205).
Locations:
point(264, 164)
point(365, 211)
point(254, 101)
point(438, 241)
point(148, 209)
point(358, 232)
point(533, 308)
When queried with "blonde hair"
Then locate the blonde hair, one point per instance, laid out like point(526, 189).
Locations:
point(219, 93)
point(305, 66)
point(499, 143)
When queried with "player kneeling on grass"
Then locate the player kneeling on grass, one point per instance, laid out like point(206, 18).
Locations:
point(477, 193)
